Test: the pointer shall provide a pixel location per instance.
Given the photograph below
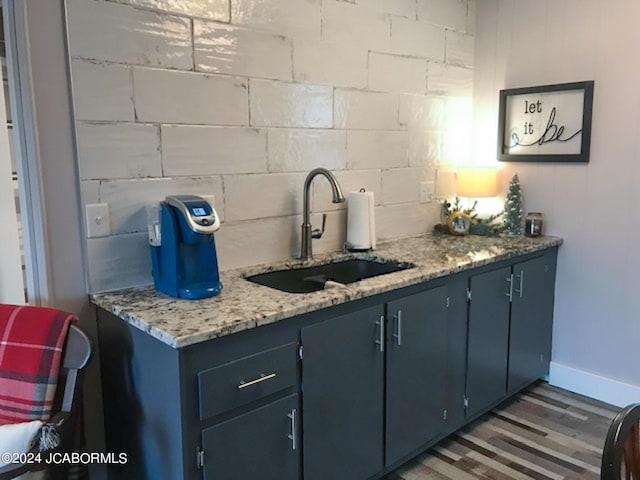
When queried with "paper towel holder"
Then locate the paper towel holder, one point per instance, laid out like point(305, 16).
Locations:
point(359, 246)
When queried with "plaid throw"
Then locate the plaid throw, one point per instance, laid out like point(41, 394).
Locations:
point(31, 342)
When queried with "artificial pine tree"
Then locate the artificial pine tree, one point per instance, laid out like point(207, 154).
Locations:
point(512, 222)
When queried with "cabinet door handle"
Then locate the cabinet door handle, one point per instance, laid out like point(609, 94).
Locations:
point(510, 293)
point(380, 341)
point(398, 334)
point(521, 277)
point(262, 378)
point(292, 436)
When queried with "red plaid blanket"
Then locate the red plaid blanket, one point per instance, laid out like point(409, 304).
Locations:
point(31, 342)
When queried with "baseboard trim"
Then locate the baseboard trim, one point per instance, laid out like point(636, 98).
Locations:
point(595, 386)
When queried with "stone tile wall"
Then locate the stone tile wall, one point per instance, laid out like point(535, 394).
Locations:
point(241, 98)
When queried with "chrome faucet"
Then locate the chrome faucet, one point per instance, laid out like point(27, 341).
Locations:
point(307, 232)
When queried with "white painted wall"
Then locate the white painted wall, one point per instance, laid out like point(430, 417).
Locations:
point(594, 206)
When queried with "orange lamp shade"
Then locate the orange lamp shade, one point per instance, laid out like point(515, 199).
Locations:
point(477, 182)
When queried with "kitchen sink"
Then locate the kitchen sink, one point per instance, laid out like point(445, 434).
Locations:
point(319, 277)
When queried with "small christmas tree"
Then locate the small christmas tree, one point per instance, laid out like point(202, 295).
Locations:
point(512, 223)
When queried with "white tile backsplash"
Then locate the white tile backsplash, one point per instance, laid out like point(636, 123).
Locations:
point(424, 147)
point(120, 33)
point(443, 79)
point(192, 98)
point(213, 9)
point(417, 112)
point(291, 18)
point(119, 261)
point(459, 48)
point(471, 17)
point(395, 73)
point(377, 149)
point(249, 197)
point(302, 150)
point(329, 63)
point(403, 8)
point(242, 98)
point(406, 220)
point(347, 23)
point(189, 150)
point(356, 109)
point(446, 13)
point(258, 241)
point(127, 198)
point(417, 38)
point(104, 91)
point(228, 49)
point(279, 104)
point(402, 185)
point(118, 151)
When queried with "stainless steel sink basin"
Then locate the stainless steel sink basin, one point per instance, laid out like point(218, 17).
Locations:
point(311, 279)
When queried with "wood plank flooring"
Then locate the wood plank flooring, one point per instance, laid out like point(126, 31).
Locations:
point(544, 433)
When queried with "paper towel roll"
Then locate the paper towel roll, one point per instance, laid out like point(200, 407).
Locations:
point(361, 226)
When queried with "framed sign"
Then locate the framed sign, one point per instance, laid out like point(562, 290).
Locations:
point(550, 123)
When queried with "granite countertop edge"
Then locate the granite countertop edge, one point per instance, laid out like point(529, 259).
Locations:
point(181, 323)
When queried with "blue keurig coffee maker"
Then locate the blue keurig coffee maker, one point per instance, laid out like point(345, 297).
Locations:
point(183, 250)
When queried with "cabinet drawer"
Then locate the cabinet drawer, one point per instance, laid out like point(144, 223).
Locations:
point(247, 379)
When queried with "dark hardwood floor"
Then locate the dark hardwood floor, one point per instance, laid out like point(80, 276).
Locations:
point(544, 433)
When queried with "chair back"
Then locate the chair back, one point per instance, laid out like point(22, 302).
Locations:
point(621, 454)
point(77, 353)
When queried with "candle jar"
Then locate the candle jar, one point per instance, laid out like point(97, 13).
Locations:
point(533, 224)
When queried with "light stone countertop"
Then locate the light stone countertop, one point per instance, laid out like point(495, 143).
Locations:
point(243, 305)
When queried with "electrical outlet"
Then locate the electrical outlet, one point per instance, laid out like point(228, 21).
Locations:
point(98, 220)
point(426, 192)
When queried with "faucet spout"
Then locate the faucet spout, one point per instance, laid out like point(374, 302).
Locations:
point(338, 197)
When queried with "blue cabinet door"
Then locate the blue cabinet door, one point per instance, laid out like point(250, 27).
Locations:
point(531, 320)
point(258, 444)
point(488, 340)
point(416, 371)
point(342, 399)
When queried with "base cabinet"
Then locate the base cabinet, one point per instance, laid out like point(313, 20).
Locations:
point(488, 339)
point(531, 320)
point(416, 371)
point(263, 443)
point(342, 383)
point(510, 324)
point(346, 393)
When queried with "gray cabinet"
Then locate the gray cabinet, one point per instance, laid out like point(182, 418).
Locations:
point(380, 379)
point(342, 383)
point(263, 443)
point(488, 343)
point(531, 320)
point(416, 371)
point(455, 388)
point(510, 326)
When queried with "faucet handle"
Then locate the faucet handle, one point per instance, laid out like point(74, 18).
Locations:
point(317, 233)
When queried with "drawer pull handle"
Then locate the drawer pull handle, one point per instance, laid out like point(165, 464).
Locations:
point(262, 378)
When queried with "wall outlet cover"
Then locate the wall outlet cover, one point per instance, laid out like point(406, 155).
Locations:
point(97, 220)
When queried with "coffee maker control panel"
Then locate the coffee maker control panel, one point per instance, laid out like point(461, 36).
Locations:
point(199, 215)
